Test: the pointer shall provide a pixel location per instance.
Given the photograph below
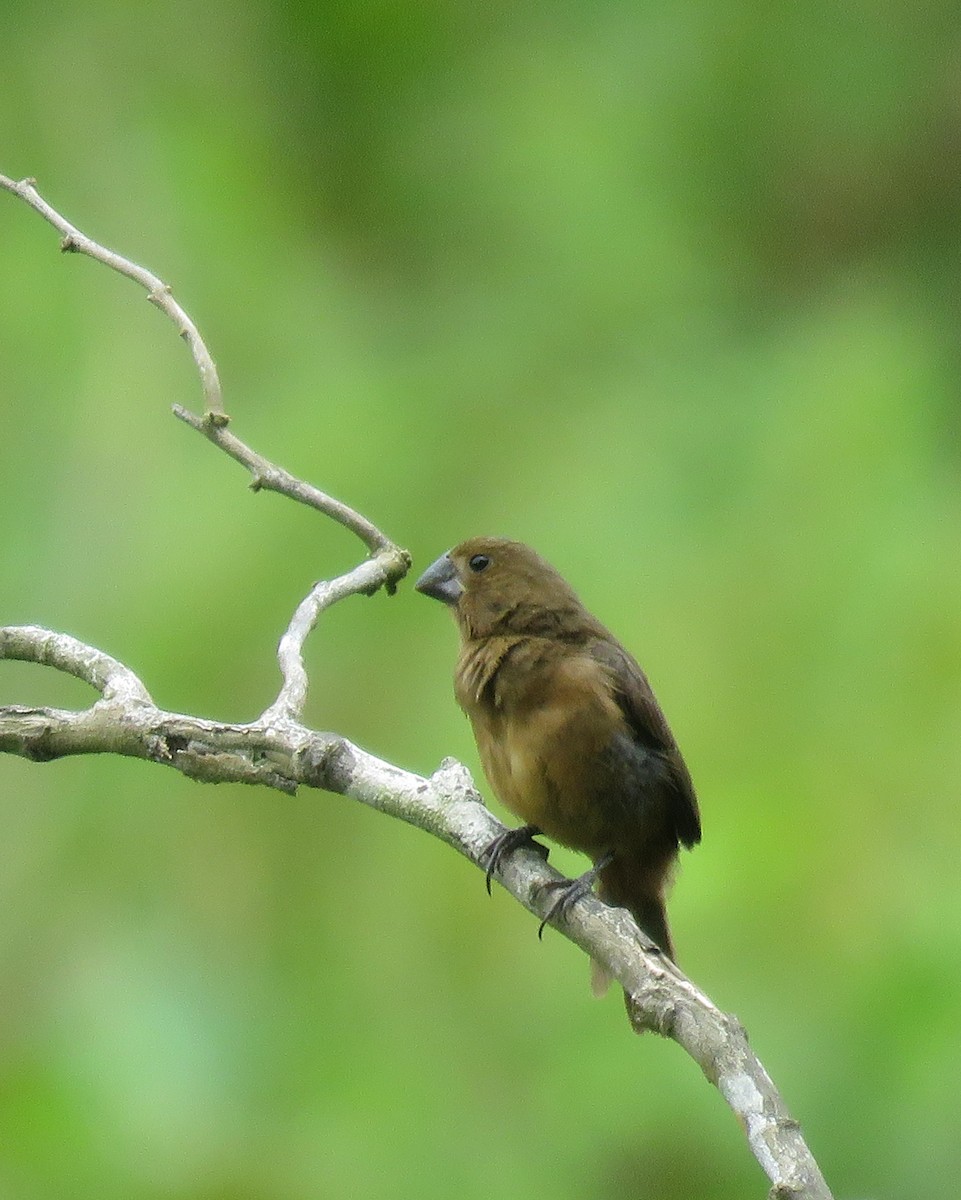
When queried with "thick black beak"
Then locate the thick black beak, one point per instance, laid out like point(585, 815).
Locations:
point(440, 581)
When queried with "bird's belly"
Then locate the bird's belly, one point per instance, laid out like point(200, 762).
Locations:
point(545, 769)
point(516, 775)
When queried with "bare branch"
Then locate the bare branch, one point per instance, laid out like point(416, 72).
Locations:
point(388, 566)
point(390, 563)
point(112, 679)
point(446, 805)
point(158, 292)
point(277, 751)
point(267, 476)
point(383, 570)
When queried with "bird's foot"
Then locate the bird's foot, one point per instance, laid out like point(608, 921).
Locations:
point(507, 843)
point(569, 891)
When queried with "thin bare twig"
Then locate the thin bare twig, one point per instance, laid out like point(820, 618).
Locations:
point(389, 563)
point(379, 571)
point(112, 679)
point(267, 476)
point(386, 568)
point(158, 292)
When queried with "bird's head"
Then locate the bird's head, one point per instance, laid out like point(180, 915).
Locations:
point(497, 587)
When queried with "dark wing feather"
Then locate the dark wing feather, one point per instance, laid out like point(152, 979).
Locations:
point(649, 726)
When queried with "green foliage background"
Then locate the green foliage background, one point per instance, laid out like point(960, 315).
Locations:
point(669, 290)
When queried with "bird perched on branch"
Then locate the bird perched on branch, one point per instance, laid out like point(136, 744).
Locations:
point(568, 729)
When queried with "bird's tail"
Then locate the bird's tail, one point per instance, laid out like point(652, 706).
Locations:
point(642, 894)
point(649, 912)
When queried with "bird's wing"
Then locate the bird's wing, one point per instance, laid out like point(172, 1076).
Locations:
point(649, 726)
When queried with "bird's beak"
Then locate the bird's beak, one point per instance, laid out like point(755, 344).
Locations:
point(440, 581)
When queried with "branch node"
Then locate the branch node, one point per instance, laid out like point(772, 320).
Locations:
point(156, 296)
point(397, 568)
point(453, 778)
point(316, 761)
point(787, 1191)
point(68, 244)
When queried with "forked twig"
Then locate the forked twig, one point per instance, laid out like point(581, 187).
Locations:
point(277, 751)
point(388, 564)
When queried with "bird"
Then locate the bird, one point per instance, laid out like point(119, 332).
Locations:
point(569, 733)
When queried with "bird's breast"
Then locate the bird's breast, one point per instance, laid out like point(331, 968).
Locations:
point(543, 731)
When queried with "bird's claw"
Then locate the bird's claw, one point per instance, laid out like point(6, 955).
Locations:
point(506, 843)
point(570, 891)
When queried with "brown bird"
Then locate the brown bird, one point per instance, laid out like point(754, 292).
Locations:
point(569, 733)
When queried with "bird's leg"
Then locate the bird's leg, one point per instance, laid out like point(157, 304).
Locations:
point(506, 843)
point(571, 890)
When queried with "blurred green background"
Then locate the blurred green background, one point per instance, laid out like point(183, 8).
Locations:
point(669, 290)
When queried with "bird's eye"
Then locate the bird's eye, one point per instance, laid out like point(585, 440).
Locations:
point(480, 562)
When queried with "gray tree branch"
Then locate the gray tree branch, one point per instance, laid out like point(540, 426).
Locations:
point(278, 751)
point(158, 293)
